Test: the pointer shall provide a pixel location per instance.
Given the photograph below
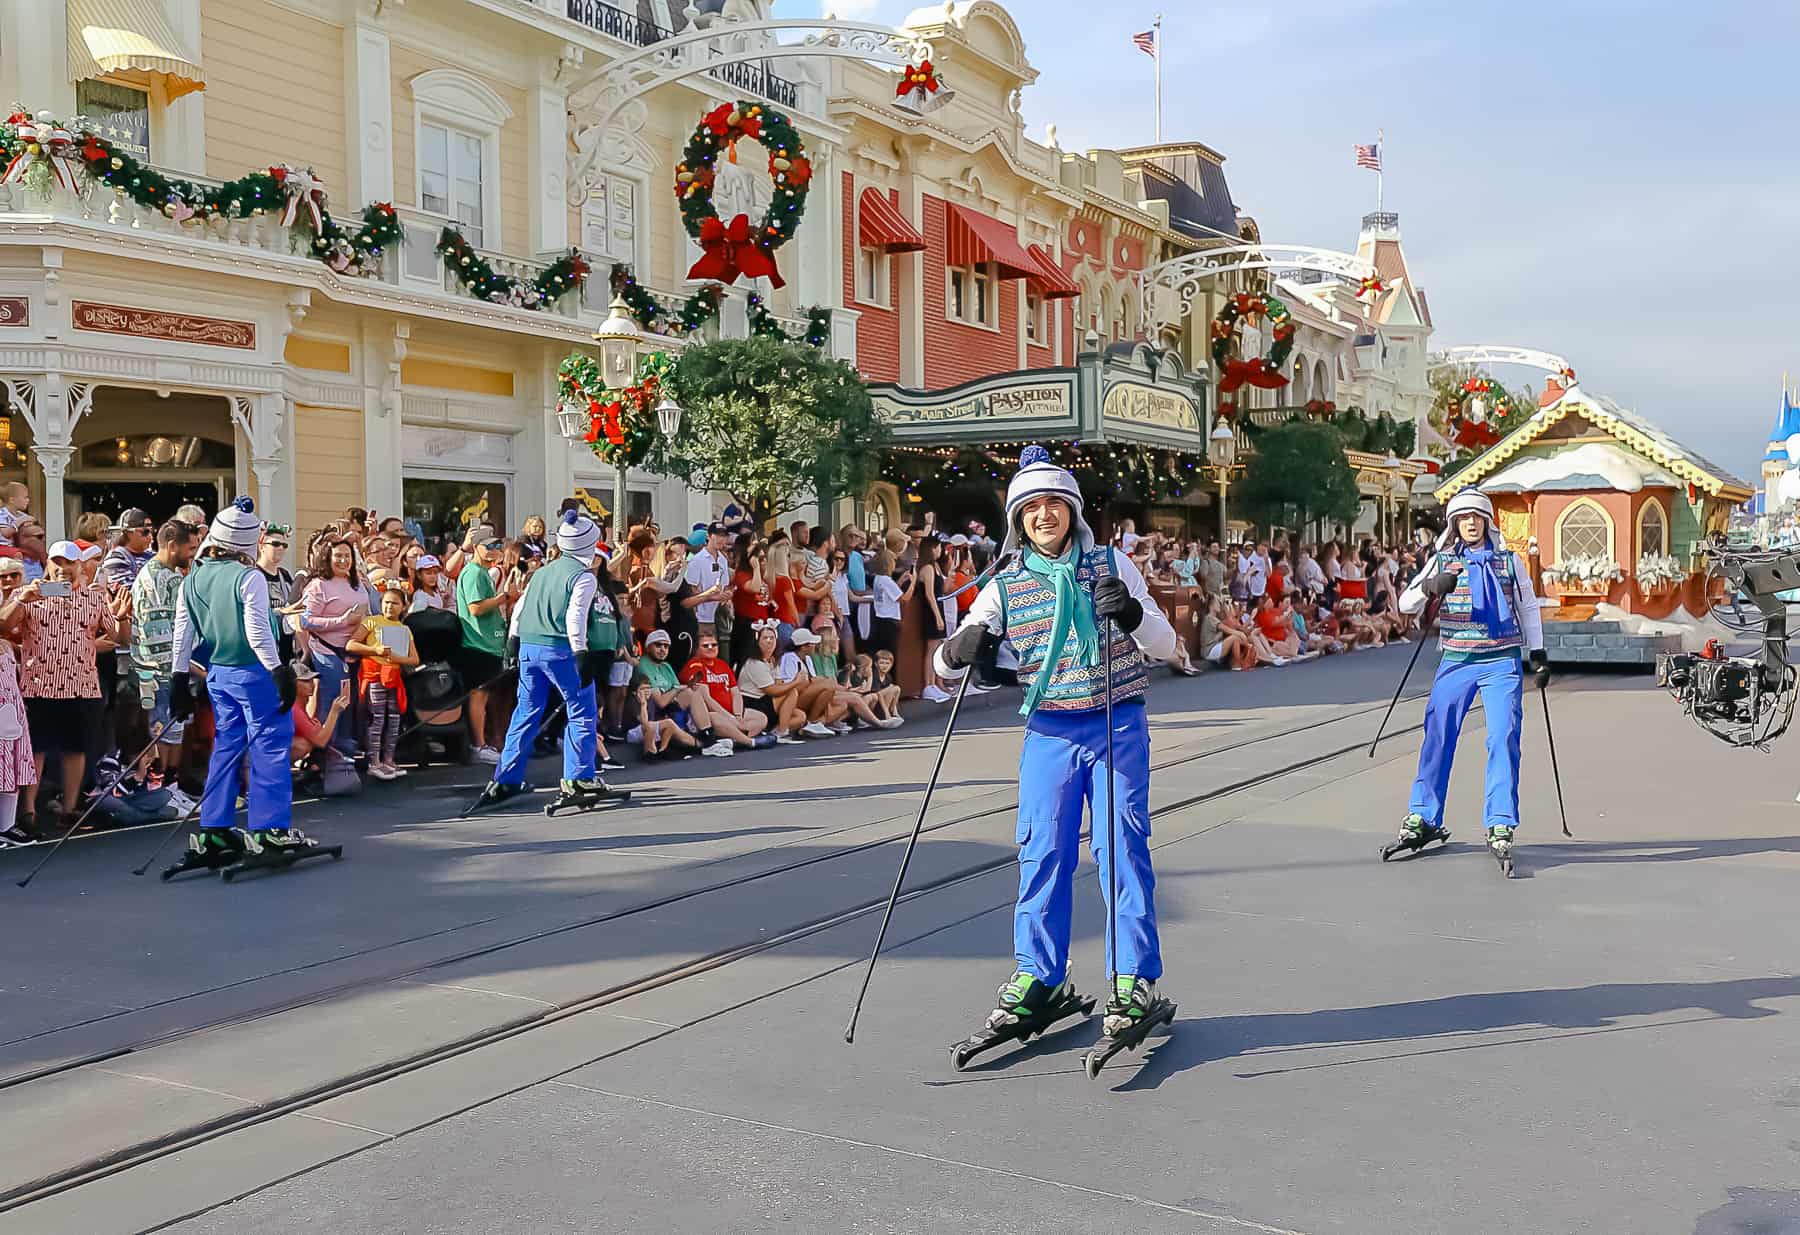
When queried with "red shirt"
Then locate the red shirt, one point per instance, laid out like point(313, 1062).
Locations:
point(785, 598)
point(715, 673)
point(1274, 625)
point(746, 601)
point(1277, 582)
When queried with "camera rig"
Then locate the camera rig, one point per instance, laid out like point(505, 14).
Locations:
point(1742, 700)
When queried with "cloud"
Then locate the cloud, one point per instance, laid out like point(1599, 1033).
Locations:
point(850, 10)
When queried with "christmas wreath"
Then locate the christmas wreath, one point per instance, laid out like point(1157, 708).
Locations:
point(733, 248)
point(621, 423)
point(1263, 372)
point(1468, 430)
point(40, 151)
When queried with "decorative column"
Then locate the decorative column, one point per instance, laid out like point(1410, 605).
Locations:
point(547, 123)
point(261, 419)
point(51, 408)
point(369, 114)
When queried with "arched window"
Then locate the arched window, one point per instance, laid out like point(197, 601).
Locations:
point(1584, 531)
point(1652, 529)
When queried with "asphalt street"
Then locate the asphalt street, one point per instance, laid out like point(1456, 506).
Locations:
point(634, 1021)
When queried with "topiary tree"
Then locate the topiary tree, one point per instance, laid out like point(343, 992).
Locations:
point(770, 422)
point(1299, 474)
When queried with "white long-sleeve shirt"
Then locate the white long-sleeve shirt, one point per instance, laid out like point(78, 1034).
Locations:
point(1525, 601)
point(253, 591)
point(1154, 636)
point(575, 617)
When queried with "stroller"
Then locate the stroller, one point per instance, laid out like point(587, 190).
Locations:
point(436, 698)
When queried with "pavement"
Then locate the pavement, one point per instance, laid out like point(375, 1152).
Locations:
point(639, 1026)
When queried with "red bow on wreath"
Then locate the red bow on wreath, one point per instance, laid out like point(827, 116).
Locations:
point(605, 420)
point(730, 252)
point(1250, 372)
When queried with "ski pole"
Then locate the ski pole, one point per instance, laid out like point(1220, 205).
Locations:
point(82, 818)
point(1550, 737)
point(211, 783)
point(1424, 625)
point(1112, 827)
point(911, 844)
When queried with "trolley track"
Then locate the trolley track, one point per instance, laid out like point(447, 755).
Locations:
point(177, 1140)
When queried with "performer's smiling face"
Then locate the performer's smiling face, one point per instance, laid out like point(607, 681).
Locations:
point(1471, 525)
point(1046, 520)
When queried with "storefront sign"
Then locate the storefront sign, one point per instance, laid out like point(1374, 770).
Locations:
point(1023, 400)
point(154, 324)
point(120, 114)
point(15, 311)
point(1137, 404)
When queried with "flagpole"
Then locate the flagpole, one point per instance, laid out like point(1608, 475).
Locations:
point(1157, 26)
point(1380, 163)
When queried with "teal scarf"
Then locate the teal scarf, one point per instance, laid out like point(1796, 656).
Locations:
point(1073, 609)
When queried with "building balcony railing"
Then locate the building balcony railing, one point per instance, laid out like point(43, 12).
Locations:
point(753, 77)
point(100, 207)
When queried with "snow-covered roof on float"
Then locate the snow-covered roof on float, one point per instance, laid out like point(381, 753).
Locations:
point(1591, 465)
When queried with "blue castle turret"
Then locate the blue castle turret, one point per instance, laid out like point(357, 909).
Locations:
point(1786, 425)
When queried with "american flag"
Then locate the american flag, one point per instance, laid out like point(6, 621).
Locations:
point(1146, 42)
point(1369, 156)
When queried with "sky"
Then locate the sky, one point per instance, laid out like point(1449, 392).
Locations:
point(1618, 183)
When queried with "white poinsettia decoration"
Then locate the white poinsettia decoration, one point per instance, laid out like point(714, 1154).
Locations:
point(1655, 570)
point(1584, 570)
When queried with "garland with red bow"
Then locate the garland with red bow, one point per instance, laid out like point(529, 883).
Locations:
point(736, 247)
point(40, 151)
point(1262, 372)
point(621, 423)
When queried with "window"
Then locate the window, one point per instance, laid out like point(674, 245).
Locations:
point(1653, 529)
point(1035, 329)
point(451, 177)
point(609, 219)
point(872, 276)
point(120, 113)
point(971, 295)
point(1583, 531)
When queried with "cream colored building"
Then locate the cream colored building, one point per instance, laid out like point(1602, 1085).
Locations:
point(147, 361)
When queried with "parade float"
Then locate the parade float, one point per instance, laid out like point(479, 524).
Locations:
point(1610, 512)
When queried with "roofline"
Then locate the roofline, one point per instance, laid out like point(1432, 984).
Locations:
point(1187, 147)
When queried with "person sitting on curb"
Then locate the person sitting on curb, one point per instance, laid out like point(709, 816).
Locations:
point(716, 701)
point(663, 720)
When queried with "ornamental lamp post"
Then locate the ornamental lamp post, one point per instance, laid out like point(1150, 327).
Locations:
point(668, 417)
point(1221, 453)
point(619, 336)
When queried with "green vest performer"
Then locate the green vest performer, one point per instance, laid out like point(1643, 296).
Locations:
point(1488, 621)
point(1059, 601)
point(558, 641)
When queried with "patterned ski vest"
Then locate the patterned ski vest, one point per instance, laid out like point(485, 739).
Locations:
point(1459, 632)
point(1029, 605)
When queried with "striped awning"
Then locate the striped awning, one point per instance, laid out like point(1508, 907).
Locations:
point(1050, 282)
point(880, 225)
point(975, 238)
point(129, 36)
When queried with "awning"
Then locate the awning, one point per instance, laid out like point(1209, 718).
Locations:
point(1049, 282)
point(975, 238)
point(880, 225)
point(129, 36)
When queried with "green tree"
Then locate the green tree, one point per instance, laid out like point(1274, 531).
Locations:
point(1299, 474)
point(770, 422)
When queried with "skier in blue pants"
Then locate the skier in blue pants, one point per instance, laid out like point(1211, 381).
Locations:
point(223, 618)
point(1488, 622)
point(561, 634)
point(1054, 605)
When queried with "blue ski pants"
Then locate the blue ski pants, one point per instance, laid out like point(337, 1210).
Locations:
point(1501, 685)
point(1062, 768)
point(540, 669)
point(251, 728)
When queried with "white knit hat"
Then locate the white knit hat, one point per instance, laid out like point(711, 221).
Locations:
point(236, 528)
point(1037, 476)
point(1469, 500)
point(577, 535)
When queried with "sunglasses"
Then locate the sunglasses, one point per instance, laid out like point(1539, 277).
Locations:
point(277, 544)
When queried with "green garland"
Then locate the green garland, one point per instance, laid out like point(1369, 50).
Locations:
point(699, 308)
point(764, 326)
point(719, 131)
point(354, 252)
point(478, 277)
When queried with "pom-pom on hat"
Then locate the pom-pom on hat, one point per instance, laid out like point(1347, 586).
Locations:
point(236, 528)
point(1037, 476)
point(577, 535)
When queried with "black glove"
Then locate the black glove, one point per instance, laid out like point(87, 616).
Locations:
point(1112, 599)
point(181, 698)
point(591, 665)
point(969, 645)
point(510, 661)
point(1440, 584)
point(286, 685)
point(1539, 664)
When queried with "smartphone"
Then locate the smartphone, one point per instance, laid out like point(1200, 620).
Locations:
point(55, 587)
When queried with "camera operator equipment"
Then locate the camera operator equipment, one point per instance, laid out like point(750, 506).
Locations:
point(1742, 700)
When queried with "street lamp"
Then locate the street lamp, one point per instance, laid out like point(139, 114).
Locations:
point(619, 336)
point(1221, 453)
point(668, 417)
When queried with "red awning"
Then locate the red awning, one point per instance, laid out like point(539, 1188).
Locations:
point(1049, 281)
point(882, 226)
point(976, 238)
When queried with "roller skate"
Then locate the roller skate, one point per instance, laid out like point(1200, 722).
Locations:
point(1133, 1011)
point(1500, 844)
point(1415, 834)
point(1027, 1008)
point(581, 796)
point(276, 849)
point(208, 849)
point(494, 793)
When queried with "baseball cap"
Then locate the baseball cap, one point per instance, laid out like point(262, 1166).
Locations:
point(803, 637)
point(89, 550)
point(11, 566)
point(697, 539)
point(134, 518)
point(303, 671)
point(656, 636)
point(426, 562)
point(68, 551)
point(959, 539)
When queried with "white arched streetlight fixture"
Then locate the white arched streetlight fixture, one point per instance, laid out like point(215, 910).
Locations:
point(1221, 454)
point(668, 417)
